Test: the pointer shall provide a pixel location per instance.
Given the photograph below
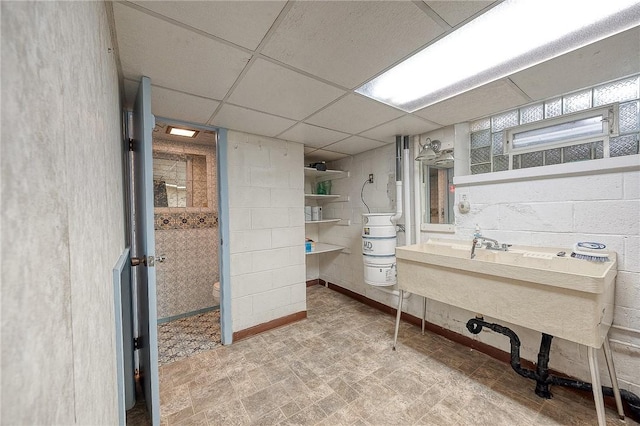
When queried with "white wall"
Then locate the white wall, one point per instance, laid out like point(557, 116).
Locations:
point(62, 213)
point(558, 211)
point(347, 270)
point(266, 223)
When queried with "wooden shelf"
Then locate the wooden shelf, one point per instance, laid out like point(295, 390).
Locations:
point(323, 221)
point(324, 248)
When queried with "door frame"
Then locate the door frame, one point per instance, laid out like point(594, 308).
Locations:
point(222, 188)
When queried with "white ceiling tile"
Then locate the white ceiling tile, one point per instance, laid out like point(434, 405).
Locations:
point(406, 125)
point(313, 136)
point(180, 106)
point(353, 145)
point(485, 100)
point(225, 19)
point(245, 120)
point(454, 12)
point(606, 60)
point(354, 114)
point(322, 155)
point(173, 56)
point(270, 87)
point(349, 42)
point(308, 149)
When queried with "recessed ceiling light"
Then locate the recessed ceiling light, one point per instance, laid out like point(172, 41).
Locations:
point(512, 36)
point(176, 131)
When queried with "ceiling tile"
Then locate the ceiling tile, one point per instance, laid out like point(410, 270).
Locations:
point(270, 87)
point(606, 60)
point(485, 100)
point(354, 114)
point(313, 136)
point(322, 155)
point(179, 106)
point(206, 16)
point(406, 125)
point(245, 120)
point(349, 42)
point(454, 12)
point(174, 57)
point(353, 145)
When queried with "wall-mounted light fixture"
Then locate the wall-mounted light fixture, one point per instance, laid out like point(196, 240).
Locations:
point(428, 151)
point(431, 154)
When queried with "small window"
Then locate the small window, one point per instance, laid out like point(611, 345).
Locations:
point(572, 129)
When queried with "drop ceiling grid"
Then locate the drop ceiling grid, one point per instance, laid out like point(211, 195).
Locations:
point(167, 53)
point(205, 16)
point(327, 40)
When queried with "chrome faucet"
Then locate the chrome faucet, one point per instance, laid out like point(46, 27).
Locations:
point(489, 243)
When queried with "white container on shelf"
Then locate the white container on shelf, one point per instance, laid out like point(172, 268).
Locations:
point(307, 213)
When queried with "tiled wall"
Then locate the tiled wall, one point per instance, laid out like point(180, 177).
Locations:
point(557, 211)
point(185, 279)
point(62, 214)
point(266, 221)
point(188, 238)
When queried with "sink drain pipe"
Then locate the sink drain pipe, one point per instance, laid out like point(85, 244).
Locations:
point(541, 374)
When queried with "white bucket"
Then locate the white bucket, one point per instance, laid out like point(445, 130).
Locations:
point(379, 260)
point(380, 275)
point(379, 249)
point(378, 219)
point(379, 246)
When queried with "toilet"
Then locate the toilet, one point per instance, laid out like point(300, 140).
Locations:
point(216, 293)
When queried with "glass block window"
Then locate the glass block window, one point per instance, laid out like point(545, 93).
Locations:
point(481, 124)
point(552, 156)
point(502, 121)
point(531, 113)
point(553, 108)
point(618, 91)
point(623, 145)
point(576, 102)
point(629, 117)
point(487, 147)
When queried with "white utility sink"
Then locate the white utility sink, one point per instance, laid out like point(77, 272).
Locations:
point(532, 287)
point(528, 286)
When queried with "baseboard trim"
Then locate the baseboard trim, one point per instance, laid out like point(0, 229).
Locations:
point(317, 281)
point(467, 341)
point(261, 328)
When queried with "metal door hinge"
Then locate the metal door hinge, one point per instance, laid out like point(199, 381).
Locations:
point(131, 145)
point(148, 261)
point(137, 343)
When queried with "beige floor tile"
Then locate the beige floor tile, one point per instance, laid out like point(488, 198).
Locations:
point(337, 367)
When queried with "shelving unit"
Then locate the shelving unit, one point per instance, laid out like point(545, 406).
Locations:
point(322, 221)
point(324, 248)
point(312, 177)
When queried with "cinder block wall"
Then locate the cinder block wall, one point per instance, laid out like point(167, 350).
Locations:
point(266, 222)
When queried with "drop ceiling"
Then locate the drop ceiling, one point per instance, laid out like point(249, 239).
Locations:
point(289, 69)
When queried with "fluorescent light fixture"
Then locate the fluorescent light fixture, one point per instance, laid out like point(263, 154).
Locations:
point(512, 36)
point(176, 131)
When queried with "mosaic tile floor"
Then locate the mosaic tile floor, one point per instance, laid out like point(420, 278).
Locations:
point(337, 368)
point(188, 336)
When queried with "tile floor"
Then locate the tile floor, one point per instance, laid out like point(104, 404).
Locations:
point(188, 336)
point(337, 367)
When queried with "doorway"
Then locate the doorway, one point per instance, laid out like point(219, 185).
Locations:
point(187, 239)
